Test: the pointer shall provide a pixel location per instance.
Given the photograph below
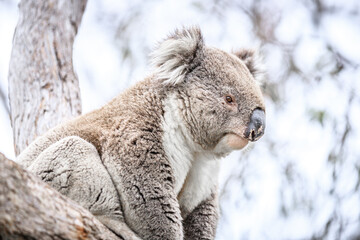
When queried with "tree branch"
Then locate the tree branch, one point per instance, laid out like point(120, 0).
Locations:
point(30, 209)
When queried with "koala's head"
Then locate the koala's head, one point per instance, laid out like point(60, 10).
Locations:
point(223, 106)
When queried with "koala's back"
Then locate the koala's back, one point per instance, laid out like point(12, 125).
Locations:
point(29, 155)
point(128, 112)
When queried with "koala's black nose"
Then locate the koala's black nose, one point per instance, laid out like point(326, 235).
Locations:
point(256, 127)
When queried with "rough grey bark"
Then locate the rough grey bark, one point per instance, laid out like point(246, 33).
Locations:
point(30, 209)
point(43, 87)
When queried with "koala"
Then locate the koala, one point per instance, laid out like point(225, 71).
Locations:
point(148, 161)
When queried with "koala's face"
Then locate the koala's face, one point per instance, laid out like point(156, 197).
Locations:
point(227, 107)
point(222, 103)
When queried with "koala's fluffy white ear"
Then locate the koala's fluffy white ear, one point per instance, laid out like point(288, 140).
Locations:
point(254, 63)
point(175, 56)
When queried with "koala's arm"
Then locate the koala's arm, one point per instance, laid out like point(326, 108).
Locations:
point(202, 221)
point(143, 179)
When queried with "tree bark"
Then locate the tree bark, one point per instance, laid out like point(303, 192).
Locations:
point(30, 209)
point(43, 87)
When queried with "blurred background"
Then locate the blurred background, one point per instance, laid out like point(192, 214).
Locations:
point(302, 179)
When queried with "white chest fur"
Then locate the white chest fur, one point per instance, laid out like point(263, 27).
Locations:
point(195, 171)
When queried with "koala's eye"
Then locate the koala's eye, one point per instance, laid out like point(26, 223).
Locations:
point(229, 99)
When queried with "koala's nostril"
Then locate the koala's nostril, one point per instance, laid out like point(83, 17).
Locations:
point(256, 126)
point(252, 135)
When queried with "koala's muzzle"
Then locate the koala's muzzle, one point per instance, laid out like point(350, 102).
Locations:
point(256, 127)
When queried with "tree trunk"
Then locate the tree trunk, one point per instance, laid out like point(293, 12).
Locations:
point(30, 209)
point(43, 88)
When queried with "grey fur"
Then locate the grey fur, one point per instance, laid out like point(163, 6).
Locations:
point(149, 157)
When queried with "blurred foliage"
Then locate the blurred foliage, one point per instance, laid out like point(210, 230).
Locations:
point(318, 115)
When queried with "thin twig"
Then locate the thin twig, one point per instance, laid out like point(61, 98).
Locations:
point(4, 101)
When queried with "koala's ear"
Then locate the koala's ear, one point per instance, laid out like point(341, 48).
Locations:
point(254, 63)
point(175, 56)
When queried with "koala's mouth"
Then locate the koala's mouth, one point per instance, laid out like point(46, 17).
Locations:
point(236, 141)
